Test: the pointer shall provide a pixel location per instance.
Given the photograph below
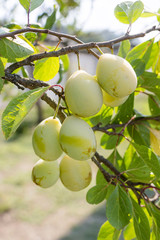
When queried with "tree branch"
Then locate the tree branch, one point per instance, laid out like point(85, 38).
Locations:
point(69, 49)
point(32, 84)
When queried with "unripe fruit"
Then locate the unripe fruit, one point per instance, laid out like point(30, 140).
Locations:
point(115, 75)
point(111, 101)
point(83, 94)
point(77, 138)
point(155, 140)
point(75, 175)
point(46, 139)
point(45, 174)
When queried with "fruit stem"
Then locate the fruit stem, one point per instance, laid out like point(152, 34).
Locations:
point(57, 108)
point(78, 59)
point(99, 49)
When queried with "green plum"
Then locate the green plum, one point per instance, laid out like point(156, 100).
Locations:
point(75, 175)
point(77, 138)
point(45, 174)
point(115, 75)
point(83, 94)
point(45, 139)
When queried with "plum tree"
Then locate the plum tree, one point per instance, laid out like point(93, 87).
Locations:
point(45, 173)
point(75, 175)
point(124, 73)
point(45, 139)
point(115, 75)
point(83, 94)
point(77, 139)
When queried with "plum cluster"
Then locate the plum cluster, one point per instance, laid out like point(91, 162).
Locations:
point(74, 141)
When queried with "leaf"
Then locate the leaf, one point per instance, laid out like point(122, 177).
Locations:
point(124, 48)
point(135, 11)
point(128, 12)
point(150, 158)
point(96, 194)
point(30, 5)
point(129, 233)
point(146, 14)
point(158, 17)
point(140, 134)
point(151, 82)
point(110, 141)
point(18, 108)
point(65, 61)
point(108, 232)
point(138, 66)
point(125, 111)
point(103, 116)
point(155, 213)
point(120, 212)
point(141, 224)
point(139, 51)
point(46, 69)
point(51, 19)
point(137, 171)
point(154, 105)
point(13, 49)
point(2, 74)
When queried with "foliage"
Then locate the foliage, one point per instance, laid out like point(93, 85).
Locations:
point(122, 180)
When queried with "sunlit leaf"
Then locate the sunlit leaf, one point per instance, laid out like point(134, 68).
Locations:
point(124, 48)
point(13, 49)
point(18, 108)
point(128, 12)
point(30, 5)
point(141, 224)
point(46, 69)
point(108, 232)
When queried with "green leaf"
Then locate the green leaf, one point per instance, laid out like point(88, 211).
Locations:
point(125, 111)
point(110, 141)
point(129, 233)
point(155, 234)
point(96, 194)
point(150, 158)
point(103, 116)
point(140, 134)
point(2, 74)
point(137, 170)
point(18, 108)
point(65, 61)
point(158, 17)
point(124, 48)
point(51, 19)
point(31, 36)
point(141, 224)
point(108, 232)
point(128, 12)
point(13, 49)
point(151, 82)
point(141, 51)
point(154, 105)
point(30, 5)
point(146, 14)
point(155, 213)
point(138, 66)
point(120, 212)
point(46, 69)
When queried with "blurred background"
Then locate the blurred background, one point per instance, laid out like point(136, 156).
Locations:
point(26, 211)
